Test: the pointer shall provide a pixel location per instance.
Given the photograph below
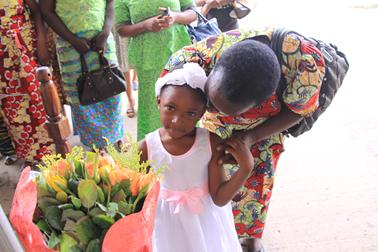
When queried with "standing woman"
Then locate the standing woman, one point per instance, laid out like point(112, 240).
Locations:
point(84, 27)
point(153, 40)
point(22, 48)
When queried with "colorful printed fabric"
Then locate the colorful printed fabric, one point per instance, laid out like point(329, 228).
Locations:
point(96, 121)
point(21, 103)
point(303, 69)
point(149, 51)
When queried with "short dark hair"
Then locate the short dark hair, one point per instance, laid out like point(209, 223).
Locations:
point(250, 72)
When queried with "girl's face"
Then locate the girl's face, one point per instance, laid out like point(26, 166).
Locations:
point(180, 109)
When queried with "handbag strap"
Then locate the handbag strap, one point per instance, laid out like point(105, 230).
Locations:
point(104, 63)
point(200, 17)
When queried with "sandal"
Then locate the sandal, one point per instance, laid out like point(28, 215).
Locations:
point(130, 112)
point(10, 160)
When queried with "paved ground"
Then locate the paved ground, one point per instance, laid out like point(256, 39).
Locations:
point(325, 197)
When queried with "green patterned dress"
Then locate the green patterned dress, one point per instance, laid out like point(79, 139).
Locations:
point(149, 52)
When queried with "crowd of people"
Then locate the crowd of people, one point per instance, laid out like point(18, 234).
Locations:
point(228, 84)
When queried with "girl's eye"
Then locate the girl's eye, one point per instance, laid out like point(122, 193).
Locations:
point(192, 114)
point(169, 107)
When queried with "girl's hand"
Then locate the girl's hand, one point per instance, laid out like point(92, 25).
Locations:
point(240, 150)
point(152, 24)
point(98, 42)
point(81, 45)
point(244, 136)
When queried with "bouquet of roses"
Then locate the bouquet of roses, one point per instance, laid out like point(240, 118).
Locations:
point(81, 196)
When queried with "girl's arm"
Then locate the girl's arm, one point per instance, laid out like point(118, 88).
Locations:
point(142, 147)
point(52, 19)
point(221, 189)
point(42, 51)
point(98, 42)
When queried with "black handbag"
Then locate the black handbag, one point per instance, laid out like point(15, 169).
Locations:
point(98, 85)
point(203, 29)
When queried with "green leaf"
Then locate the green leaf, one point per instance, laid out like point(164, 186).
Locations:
point(94, 246)
point(75, 201)
point(79, 169)
point(102, 207)
point(87, 190)
point(86, 230)
point(65, 206)
point(72, 214)
point(101, 196)
point(67, 243)
point(114, 190)
point(46, 202)
point(53, 216)
point(72, 185)
point(69, 226)
point(103, 221)
point(119, 196)
point(112, 209)
point(42, 225)
point(125, 186)
point(125, 208)
point(95, 211)
point(53, 241)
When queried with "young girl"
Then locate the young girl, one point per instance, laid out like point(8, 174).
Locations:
point(193, 212)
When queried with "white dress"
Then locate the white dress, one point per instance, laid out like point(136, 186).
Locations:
point(186, 218)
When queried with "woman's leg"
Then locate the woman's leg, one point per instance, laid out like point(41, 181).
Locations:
point(131, 102)
point(7, 150)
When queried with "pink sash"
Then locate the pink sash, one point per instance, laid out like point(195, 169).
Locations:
point(191, 198)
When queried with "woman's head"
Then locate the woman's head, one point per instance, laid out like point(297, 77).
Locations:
point(245, 74)
point(181, 100)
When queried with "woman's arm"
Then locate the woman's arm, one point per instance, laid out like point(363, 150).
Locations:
point(52, 19)
point(42, 51)
point(221, 189)
point(184, 18)
point(98, 42)
point(283, 121)
point(132, 30)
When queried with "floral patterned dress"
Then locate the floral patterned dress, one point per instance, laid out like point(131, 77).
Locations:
point(21, 102)
point(149, 51)
point(303, 69)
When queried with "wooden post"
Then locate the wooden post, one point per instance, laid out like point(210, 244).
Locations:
point(57, 124)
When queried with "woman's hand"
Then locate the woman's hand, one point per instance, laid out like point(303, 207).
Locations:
point(239, 149)
point(98, 42)
point(152, 24)
point(81, 45)
point(165, 22)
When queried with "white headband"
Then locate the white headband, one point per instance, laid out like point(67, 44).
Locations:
point(191, 74)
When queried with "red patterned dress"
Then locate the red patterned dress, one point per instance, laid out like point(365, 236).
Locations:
point(304, 70)
point(21, 103)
